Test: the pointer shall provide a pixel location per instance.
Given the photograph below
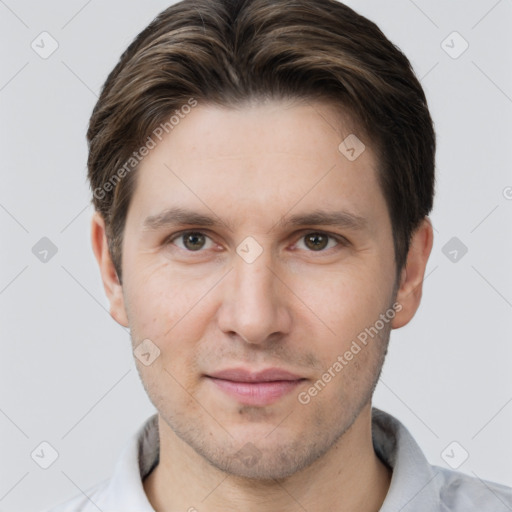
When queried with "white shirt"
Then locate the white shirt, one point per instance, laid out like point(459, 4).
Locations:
point(416, 486)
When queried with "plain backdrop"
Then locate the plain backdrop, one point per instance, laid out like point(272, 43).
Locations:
point(66, 369)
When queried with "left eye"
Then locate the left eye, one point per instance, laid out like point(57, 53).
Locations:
point(318, 241)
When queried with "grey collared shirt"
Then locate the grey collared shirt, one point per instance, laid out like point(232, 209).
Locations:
point(416, 485)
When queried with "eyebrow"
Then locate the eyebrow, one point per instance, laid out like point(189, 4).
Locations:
point(177, 216)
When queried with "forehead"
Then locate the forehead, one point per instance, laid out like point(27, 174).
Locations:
point(261, 161)
point(299, 129)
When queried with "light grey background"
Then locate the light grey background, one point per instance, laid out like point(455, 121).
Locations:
point(66, 369)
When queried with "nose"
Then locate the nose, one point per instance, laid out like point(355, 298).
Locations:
point(254, 305)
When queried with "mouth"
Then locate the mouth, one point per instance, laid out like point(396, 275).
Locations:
point(255, 388)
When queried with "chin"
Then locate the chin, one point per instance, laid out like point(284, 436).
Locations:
point(261, 453)
point(267, 465)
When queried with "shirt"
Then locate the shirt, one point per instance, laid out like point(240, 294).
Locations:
point(416, 485)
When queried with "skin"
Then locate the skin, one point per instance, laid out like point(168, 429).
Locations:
point(296, 307)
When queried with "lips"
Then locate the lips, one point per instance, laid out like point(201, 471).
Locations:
point(255, 388)
point(267, 375)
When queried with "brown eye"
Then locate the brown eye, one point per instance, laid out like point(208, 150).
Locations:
point(316, 241)
point(192, 241)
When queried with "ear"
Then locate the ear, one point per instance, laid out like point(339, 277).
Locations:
point(411, 279)
point(113, 288)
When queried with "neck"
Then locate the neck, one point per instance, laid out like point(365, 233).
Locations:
point(348, 477)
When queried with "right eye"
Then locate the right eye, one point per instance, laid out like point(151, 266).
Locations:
point(191, 241)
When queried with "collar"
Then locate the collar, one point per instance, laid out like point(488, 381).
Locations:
point(415, 485)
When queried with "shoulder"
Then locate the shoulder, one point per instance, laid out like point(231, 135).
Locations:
point(89, 501)
point(462, 492)
point(416, 485)
point(124, 490)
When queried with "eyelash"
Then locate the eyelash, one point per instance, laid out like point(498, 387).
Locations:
point(341, 241)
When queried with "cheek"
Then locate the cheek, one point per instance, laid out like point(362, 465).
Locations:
point(174, 310)
point(169, 385)
point(168, 311)
point(165, 304)
point(342, 303)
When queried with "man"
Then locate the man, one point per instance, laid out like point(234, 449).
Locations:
point(262, 174)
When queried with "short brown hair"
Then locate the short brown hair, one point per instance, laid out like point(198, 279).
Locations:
point(228, 52)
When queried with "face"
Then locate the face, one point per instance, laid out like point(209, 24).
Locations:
point(255, 255)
